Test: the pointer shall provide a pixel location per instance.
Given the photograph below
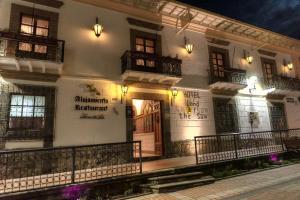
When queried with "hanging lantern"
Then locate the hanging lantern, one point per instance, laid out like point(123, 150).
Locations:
point(248, 57)
point(98, 28)
point(188, 45)
point(290, 66)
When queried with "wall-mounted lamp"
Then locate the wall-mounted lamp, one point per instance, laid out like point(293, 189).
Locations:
point(98, 28)
point(248, 57)
point(174, 93)
point(188, 45)
point(124, 90)
point(290, 66)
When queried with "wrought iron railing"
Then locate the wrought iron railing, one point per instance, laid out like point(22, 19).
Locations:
point(231, 75)
point(159, 64)
point(22, 170)
point(9, 47)
point(225, 147)
point(282, 83)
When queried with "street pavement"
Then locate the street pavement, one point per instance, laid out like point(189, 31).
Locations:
point(276, 184)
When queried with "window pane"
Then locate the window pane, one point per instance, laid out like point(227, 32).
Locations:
point(150, 63)
point(27, 111)
point(27, 29)
point(140, 48)
point(25, 46)
point(39, 112)
point(40, 49)
point(16, 100)
point(42, 23)
point(150, 50)
point(139, 41)
point(150, 43)
point(16, 111)
point(27, 20)
point(28, 101)
point(40, 101)
point(140, 62)
point(220, 56)
point(42, 32)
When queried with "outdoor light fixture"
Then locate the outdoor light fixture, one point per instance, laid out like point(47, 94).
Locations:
point(98, 28)
point(124, 90)
point(174, 93)
point(188, 45)
point(248, 57)
point(290, 66)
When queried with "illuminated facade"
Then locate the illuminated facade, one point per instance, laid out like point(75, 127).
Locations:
point(61, 85)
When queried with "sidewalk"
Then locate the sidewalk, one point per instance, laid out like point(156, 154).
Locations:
point(233, 186)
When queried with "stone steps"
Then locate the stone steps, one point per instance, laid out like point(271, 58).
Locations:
point(173, 182)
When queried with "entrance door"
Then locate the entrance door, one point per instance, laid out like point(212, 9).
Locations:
point(147, 126)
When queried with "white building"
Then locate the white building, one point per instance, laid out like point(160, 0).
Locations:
point(63, 86)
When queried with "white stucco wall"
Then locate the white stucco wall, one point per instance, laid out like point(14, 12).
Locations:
point(70, 129)
point(198, 121)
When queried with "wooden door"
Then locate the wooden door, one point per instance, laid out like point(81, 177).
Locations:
point(269, 70)
point(156, 115)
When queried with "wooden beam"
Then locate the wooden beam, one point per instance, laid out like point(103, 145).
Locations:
point(49, 3)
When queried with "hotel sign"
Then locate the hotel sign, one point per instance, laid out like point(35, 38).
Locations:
point(194, 107)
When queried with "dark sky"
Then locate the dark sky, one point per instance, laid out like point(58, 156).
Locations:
point(281, 16)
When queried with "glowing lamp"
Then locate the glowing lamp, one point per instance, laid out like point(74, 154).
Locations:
point(98, 28)
point(188, 46)
point(290, 66)
point(174, 92)
point(248, 57)
point(124, 90)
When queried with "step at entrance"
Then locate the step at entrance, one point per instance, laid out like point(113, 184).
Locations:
point(175, 182)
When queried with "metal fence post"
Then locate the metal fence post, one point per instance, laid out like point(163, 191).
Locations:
point(140, 152)
point(196, 150)
point(235, 147)
point(73, 164)
point(281, 140)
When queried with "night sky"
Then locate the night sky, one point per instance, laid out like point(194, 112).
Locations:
point(281, 16)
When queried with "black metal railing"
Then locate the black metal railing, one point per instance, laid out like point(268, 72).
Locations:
point(22, 170)
point(159, 64)
point(230, 75)
point(9, 42)
point(225, 147)
point(282, 83)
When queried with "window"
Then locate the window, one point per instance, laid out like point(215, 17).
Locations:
point(145, 46)
point(27, 112)
point(219, 61)
point(278, 117)
point(33, 26)
point(269, 70)
point(225, 116)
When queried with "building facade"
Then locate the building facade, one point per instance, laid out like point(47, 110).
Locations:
point(61, 85)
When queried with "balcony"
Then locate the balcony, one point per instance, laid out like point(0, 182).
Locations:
point(232, 80)
point(13, 60)
point(160, 69)
point(282, 85)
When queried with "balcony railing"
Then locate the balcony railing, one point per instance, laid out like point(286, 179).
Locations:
point(23, 170)
point(282, 83)
point(231, 75)
point(162, 65)
point(225, 147)
point(9, 43)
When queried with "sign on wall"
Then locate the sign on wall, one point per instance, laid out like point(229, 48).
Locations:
point(91, 103)
point(194, 108)
point(254, 119)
